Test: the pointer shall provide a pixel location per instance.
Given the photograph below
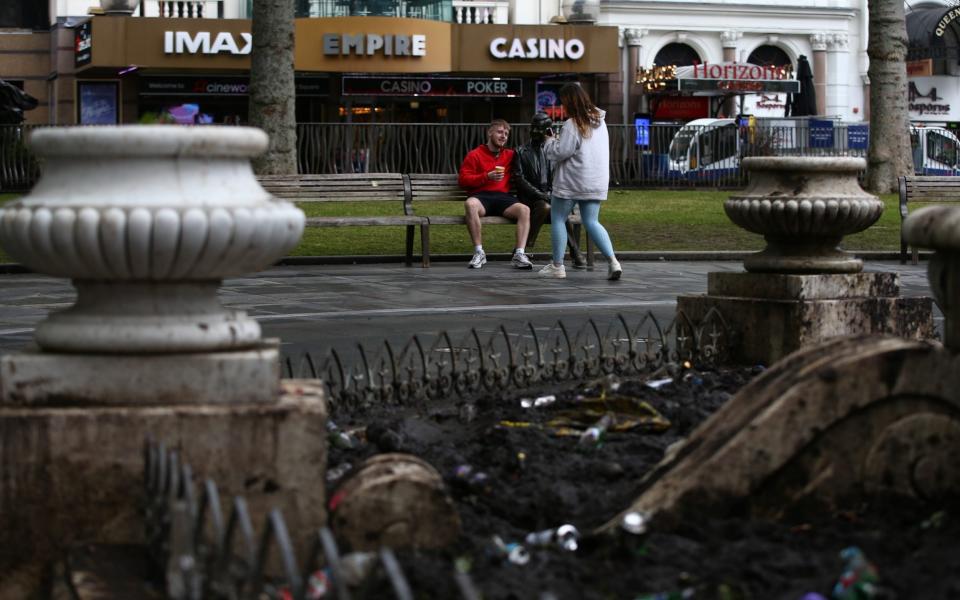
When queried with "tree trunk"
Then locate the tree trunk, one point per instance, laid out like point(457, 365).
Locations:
point(272, 92)
point(889, 155)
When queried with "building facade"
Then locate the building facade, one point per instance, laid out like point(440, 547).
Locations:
point(85, 66)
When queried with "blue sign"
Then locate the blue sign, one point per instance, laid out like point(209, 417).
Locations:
point(821, 133)
point(643, 131)
point(858, 137)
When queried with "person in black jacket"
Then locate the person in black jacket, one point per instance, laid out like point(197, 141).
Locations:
point(533, 176)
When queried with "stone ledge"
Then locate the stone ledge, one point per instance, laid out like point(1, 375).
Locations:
point(764, 331)
point(803, 287)
point(243, 376)
point(76, 474)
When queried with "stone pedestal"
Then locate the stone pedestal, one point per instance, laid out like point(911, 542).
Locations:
point(242, 376)
point(75, 473)
point(770, 315)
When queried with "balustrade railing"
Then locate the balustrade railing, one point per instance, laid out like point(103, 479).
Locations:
point(487, 12)
point(183, 9)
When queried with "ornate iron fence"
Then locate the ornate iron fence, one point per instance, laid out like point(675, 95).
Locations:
point(635, 160)
point(199, 552)
point(506, 361)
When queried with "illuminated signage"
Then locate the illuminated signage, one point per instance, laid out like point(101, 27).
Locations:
point(537, 48)
point(368, 44)
point(83, 44)
point(203, 42)
point(432, 86)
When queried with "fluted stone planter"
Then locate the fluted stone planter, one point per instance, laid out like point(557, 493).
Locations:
point(803, 206)
point(938, 227)
point(147, 221)
point(802, 288)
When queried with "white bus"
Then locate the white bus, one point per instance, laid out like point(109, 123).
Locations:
point(935, 151)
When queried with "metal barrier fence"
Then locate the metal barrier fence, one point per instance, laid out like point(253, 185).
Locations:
point(199, 554)
point(509, 362)
point(667, 156)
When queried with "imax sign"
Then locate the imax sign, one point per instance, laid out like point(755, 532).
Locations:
point(204, 42)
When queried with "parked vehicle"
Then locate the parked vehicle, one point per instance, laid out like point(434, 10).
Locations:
point(705, 149)
point(935, 151)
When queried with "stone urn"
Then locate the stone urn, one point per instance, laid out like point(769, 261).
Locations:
point(803, 206)
point(119, 7)
point(147, 221)
point(938, 227)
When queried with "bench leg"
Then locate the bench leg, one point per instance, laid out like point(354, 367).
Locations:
point(425, 243)
point(410, 245)
point(916, 255)
point(903, 251)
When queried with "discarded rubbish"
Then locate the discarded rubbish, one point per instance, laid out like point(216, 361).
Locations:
point(537, 402)
point(601, 387)
point(515, 553)
point(594, 434)
point(336, 474)
point(354, 568)
point(859, 578)
point(565, 537)
point(635, 522)
point(339, 438)
point(475, 481)
point(629, 414)
point(656, 384)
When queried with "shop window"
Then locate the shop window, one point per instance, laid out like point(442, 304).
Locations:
point(25, 14)
point(98, 103)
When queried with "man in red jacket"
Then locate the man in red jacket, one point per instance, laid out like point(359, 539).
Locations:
point(485, 175)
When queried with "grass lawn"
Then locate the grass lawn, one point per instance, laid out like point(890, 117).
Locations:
point(638, 220)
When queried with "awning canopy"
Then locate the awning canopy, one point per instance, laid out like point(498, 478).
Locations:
point(933, 33)
point(719, 79)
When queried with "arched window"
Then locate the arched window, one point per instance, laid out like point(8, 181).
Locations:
point(769, 56)
point(677, 54)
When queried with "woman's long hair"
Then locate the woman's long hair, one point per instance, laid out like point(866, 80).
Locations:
point(581, 109)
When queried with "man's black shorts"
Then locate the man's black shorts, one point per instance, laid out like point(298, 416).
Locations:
point(494, 203)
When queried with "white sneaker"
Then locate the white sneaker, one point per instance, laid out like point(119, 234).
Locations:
point(479, 259)
point(614, 270)
point(555, 271)
point(521, 261)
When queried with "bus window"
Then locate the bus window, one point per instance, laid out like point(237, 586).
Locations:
point(718, 144)
point(941, 149)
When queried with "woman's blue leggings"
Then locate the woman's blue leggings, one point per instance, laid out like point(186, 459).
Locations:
point(560, 209)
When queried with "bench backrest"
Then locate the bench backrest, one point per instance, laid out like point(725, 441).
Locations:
point(927, 188)
point(430, 186)
point(337, 187)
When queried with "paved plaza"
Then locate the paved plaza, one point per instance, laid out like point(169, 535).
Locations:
point(319, 307)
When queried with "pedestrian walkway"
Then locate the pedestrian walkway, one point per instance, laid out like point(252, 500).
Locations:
point(338, 306)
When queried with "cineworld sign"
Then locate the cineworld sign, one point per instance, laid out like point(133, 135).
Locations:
point(432, 86)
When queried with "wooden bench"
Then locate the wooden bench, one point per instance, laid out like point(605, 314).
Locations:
point(355, 187)
point(428, 186)
point(919, 188)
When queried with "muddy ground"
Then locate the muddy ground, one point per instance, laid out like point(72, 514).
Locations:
point(538, 475)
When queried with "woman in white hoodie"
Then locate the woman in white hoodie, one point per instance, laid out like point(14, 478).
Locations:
point(581, 176)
